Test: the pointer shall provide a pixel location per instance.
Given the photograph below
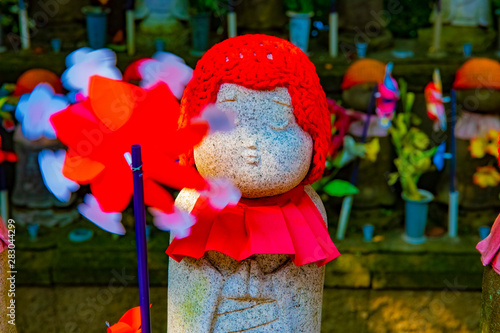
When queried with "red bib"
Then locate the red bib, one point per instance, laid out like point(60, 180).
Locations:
point(288, 223)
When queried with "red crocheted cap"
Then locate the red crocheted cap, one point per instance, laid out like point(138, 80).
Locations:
point(31, 78)
point(478, 73)
point(262, 62)
point(363, 71)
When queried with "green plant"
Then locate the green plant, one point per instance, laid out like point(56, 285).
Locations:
point(219, 7)
point(299, 6)
point(9, 16)
point(414, 155)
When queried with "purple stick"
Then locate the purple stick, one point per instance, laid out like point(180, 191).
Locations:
point(366, 125)
point(452, 139)
point(140, 237)
point(438, 6)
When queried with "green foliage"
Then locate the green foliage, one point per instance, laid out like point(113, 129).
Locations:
point(219, 7)
point(414, 157)
point(413, 16)
point(300, 6)
point(340, 188)
point(9, 16)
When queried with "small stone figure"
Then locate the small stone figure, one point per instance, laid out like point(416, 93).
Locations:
point(478, 102)
point(467, 12)
point(464, 21)
point(257, 266)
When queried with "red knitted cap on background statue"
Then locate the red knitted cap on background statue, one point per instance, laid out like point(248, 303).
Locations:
point(478, 73)
point(262, 62)
point(363, 71)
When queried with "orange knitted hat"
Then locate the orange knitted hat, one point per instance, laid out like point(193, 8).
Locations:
point(478, 73)
point(31, 78)
point(363, 71)
point(262, 62)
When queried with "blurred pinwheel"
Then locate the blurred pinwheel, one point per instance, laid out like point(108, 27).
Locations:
point(386, 97)
point(130, 322)
point(168, 68)
point(84, 63)
point(34, 110)
point(109, 221)
point(178, 222)
point(51, 164)
point(434, 99)
point(6, 156)
point(440, 156)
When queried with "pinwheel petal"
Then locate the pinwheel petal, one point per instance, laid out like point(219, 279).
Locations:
point(113, 187)
point(109, 221)
point(178, 222)
point(51, 165)
point(221, 193)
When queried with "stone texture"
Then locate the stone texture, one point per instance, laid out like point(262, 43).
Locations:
point(423, 311)
point(490, 306)
point(267, 153)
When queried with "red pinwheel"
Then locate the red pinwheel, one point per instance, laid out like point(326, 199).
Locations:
point(130, 322)
point(6, 156)
point(100, 130)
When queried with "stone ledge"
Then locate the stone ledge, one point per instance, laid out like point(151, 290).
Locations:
point(388, 264)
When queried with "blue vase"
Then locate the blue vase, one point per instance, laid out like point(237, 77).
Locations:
point(300, 28)
point(97, 26)
point(416, 217)
point(200, 25)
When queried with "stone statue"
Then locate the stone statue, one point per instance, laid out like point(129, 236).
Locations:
point(467, 12)
point(272, 155)
point(464, 22)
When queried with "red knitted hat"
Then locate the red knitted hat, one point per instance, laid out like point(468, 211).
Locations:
point(478, 73)
point(363, 71)
point(262, 62)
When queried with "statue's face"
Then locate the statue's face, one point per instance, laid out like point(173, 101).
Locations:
point(267, 153)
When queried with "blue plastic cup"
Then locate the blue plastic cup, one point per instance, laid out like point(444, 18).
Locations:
point(484, 231)
point(159, 45)
point(416, 217)
point(361, 49)
point(368, 232)
point(33, 231)
point(97, 25)
point(300, 28)
point(468, 50)
point(56, 45)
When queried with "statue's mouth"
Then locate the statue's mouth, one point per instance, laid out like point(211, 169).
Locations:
point(250, 156)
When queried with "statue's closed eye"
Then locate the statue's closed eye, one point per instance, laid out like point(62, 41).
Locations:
point(280, 126)
point(282, 103)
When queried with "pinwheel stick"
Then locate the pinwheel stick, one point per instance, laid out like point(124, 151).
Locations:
point(453, 203)
point(140, 235)
point(345, 210)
